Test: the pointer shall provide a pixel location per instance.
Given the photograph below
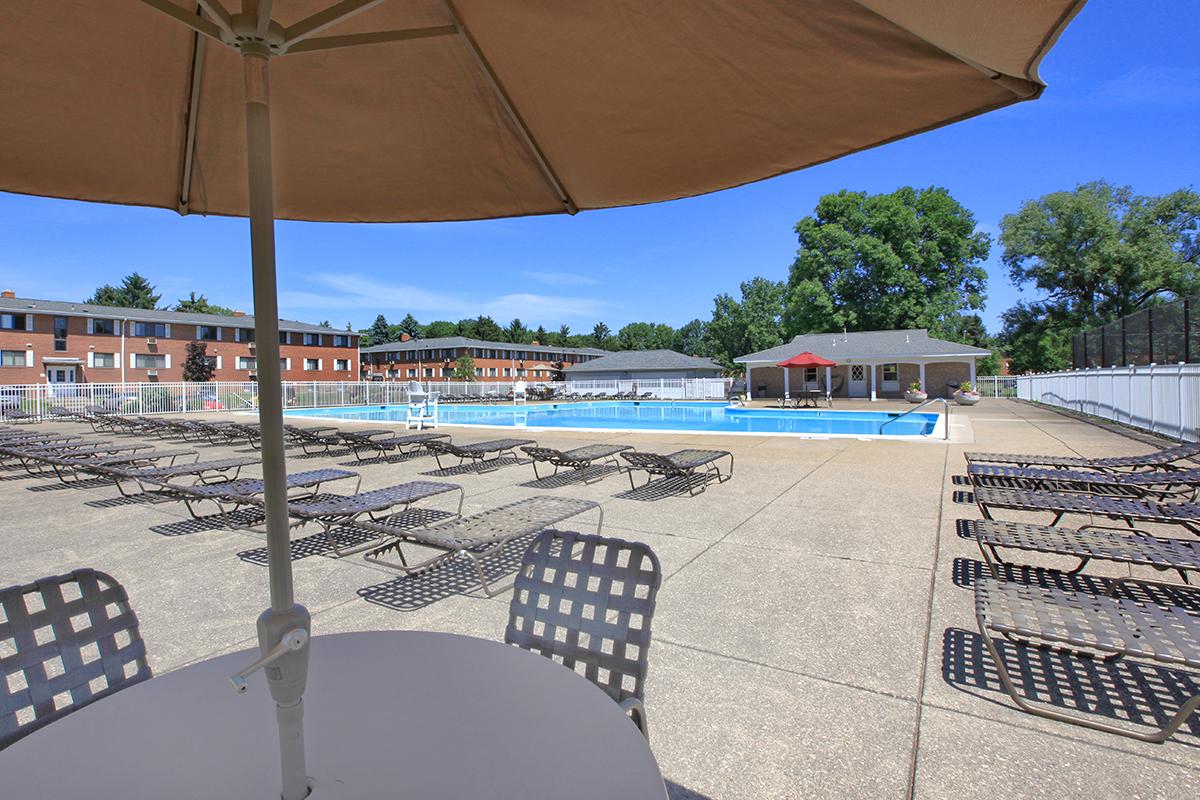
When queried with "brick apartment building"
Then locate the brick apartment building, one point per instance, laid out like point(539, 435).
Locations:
point(58, 342)
point(434, 359)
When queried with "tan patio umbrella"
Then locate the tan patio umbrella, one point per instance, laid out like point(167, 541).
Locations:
point(404, 110)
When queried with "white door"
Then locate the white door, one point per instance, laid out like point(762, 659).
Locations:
point(60, 374)
point(857, 385)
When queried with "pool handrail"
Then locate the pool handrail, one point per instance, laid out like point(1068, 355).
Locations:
point(942, 400)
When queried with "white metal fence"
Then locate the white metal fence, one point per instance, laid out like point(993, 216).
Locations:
point(997, 385)
point(167, 398)
point(1164, 399)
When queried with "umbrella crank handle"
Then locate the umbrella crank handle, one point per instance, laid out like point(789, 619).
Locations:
point(291, 641)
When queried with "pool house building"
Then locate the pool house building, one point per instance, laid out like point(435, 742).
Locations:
point(870, 364)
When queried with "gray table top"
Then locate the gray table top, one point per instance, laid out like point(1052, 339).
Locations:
point(387, 714)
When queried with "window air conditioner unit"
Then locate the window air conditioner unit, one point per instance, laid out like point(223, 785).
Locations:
point(250, 345)
point(253, 376)
point(151, 341)
point(151, 373)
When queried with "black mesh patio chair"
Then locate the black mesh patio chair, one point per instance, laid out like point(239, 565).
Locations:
point(578, 460)
point(1090, 505)
point(478, 452)
point(693, 468)
point(65, 641)
point(1160, 484)
point(586, 602)
point(1159, 459)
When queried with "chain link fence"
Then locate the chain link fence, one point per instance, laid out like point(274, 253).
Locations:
point(1162, 334)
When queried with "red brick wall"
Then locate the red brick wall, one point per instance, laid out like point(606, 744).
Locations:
point(377, 366)
point(80, 343)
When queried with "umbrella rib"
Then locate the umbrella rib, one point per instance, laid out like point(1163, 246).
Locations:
point(189, 142)
point(323, 20)
point(513, 115)
point(220, 16)
point(192, 20)
point(379, 37)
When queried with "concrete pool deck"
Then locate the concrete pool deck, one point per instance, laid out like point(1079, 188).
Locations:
point(815, 634)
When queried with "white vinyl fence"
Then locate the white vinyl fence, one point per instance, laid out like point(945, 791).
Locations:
point(1164, 399)
point(178, 398)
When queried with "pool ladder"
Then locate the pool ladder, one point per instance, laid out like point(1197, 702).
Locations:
point(930, 401)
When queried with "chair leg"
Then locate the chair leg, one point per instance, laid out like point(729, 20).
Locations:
point(636, 710)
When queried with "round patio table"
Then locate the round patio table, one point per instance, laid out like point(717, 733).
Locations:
point(387, 715)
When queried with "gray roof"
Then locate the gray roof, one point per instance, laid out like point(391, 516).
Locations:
point(634, 360)
point(458, 342)
point(25, 305)
point(865, 345)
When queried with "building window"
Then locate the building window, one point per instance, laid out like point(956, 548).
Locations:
point(507, 372)
point(285, 364)
point(341, 364)
point(244, 334)
point(14, 322)
point(149, 329)
point(341, 340)
point(312, 364)
point(891, 376)
point(428, 372)
point(810, 375)
point(412, 373)
point(104, 327)
point(395, 373)
point(149, 361)
point(246, 362)
point(312, 339)
point(285, 337)
point(479, 372)
point(207, 333)
point(12, 358)
point(447, 372)
point(104, 360)
point(211, 361)
point(60, 334)
point(491, 372)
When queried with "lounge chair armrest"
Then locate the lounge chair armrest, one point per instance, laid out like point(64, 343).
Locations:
point(636, 709)
point(1117, 583)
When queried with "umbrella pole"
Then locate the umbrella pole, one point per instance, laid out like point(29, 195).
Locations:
point(284, 621)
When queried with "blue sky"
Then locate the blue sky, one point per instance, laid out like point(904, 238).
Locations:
point(1123, 104)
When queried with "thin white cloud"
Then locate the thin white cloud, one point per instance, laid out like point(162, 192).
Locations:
point(553, 278)
point(370, 296)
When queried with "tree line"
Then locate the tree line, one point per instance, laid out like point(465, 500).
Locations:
point(911, 258)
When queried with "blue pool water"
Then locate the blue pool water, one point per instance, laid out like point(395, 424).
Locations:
point(651, 415)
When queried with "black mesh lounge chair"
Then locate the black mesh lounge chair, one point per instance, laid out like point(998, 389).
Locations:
point(344, 511)
point(72, 469)
point(1160, 459)
point(1161, 484)
point(17, 415)
point(313, 441)
point(693, 467)
point(579, 459)
point(1090, 505)
point(1105, 543)
point(82, 624)
point(232, 495)
point(370, 444)
point(1084, 624)
point(476, 537)
point(587, 602)
point(150, 479)
point(478, 452)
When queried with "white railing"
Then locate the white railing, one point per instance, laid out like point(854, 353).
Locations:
point(181, 398)
point(1164, 399)
point(997, 385)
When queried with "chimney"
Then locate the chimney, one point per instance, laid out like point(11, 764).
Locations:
point(239, 313)
point(8, 294)
point(404, 337)
point(536, 343)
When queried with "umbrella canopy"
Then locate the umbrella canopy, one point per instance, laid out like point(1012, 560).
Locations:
point(407, 110)
point(807, 359)
point(461, 109)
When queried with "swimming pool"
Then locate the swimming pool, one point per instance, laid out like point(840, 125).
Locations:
point(653, 416)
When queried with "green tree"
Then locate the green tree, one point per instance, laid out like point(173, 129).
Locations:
point(197, 367)
point(558, 371)
point(1035, 339)
point(908, 259)
point(563, 337)
point(440, 329)
point(516, 332)
point(1101, 252)
point(754, 323)
point(645, 336)
point(969, 329)
point(464, 368)
point(541, 335)
point(134, 292)
point(410, 326)
point(200, 305)
point(689, 339)
point(487, 329)
point(378, 333)
point(600, 334)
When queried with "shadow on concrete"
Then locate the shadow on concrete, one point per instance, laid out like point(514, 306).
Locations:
point(963, 497)
point(446, 579)
point(1122, 691)
point(476, 468)
point(348, 536)
point(677, 792)
point(671, 486)
point(396, 458)
point(574, 477)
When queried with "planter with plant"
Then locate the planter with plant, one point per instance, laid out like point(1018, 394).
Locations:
point(915, 393)
point(967, 394)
